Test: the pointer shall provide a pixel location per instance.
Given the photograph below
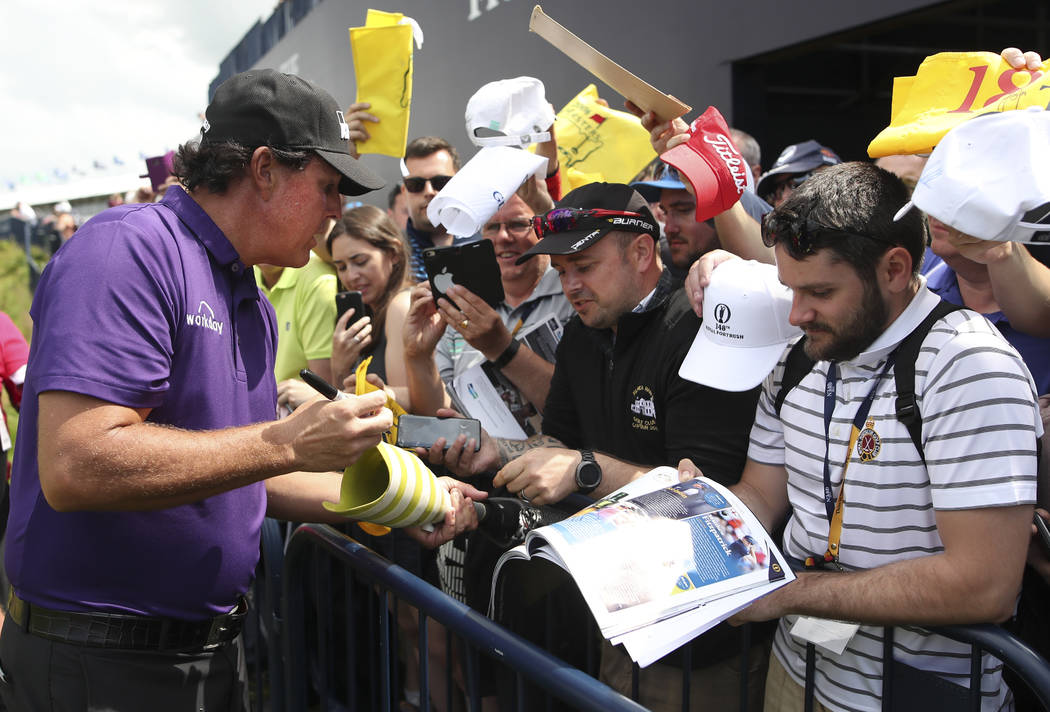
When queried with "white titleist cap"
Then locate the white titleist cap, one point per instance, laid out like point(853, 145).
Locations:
point(510, 112)
point(989, 177)
point(745, 327)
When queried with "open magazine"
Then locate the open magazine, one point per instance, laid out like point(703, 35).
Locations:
point(660, 561)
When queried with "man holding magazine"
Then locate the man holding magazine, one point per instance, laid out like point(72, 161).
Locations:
point(890, 530)
point(617, 407)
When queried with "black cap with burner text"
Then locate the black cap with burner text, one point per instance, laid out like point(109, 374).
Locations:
point(596, 196)
point(265, 107)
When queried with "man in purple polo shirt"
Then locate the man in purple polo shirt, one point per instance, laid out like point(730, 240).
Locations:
point(149, 453)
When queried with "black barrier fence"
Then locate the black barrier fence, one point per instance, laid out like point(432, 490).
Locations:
point(330, 615)
point(477, 634)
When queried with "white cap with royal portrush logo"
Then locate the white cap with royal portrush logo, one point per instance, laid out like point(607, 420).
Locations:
point(745, 327)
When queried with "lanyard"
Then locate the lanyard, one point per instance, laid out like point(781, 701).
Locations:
point(834, 505)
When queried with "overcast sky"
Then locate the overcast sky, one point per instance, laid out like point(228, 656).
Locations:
point(86, 81)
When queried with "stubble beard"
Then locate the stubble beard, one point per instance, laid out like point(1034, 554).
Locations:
point(864, 326)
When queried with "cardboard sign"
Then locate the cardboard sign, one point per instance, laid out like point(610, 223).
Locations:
point(641, 93)
point(952, 87)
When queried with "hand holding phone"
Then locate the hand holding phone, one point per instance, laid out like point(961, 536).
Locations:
point(345, 301)
point(473, 266)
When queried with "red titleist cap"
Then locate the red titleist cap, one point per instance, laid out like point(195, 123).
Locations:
point(711, 164)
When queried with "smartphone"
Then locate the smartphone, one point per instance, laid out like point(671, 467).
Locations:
point(344, 301)
point(473, 266)
point(424, 430)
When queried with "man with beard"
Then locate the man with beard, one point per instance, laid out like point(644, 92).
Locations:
point(888, 535)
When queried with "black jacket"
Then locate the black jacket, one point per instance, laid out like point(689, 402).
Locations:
point(624, 397)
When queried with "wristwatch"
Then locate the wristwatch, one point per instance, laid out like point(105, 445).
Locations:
point(588, 473)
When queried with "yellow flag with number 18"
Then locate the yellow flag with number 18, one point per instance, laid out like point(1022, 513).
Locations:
point(952, 87)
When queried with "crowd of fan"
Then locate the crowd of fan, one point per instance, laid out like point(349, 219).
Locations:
point(954, 536)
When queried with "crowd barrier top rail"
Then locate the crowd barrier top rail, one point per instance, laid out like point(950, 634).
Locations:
point(560, 679)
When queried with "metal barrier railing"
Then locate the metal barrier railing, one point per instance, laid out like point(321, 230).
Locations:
point(312, 545)
point(1015, 654)
point(480, 634)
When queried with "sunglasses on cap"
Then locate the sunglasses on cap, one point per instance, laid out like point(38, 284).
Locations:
point(789, 228)
point(568, 219)
point(415, 184)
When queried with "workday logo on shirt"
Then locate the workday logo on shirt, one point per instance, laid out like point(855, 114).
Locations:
point(205, 318)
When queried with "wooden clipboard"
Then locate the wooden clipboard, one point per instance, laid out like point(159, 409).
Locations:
point(642, 94)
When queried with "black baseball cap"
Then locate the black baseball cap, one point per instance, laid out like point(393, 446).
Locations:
point(264, 107)
point(596, 196)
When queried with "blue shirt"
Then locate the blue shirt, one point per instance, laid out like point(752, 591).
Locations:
point(1034, 350)
point(147, 306)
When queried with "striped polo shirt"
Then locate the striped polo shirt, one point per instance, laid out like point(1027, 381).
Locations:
point(979, 428)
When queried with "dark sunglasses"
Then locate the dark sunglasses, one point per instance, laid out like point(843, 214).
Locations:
point(787, 227)
point(416, 184)
point(566, 219)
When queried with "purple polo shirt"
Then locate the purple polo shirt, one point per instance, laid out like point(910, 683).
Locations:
point(147, 306)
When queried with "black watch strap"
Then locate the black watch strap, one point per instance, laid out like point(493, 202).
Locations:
point(508, 354)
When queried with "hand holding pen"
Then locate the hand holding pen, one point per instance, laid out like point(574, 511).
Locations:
point(322, 386)
point(330, 434)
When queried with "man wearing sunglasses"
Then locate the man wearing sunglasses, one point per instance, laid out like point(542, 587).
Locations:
point(889, 533)
point(430, 163)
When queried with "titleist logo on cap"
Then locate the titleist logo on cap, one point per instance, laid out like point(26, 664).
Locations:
point(725, 150)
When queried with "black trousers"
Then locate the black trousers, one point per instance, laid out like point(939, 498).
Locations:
point(41, 675)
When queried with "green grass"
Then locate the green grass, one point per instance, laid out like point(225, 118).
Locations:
point(15, 299)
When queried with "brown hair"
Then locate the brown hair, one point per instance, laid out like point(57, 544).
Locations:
point(429, 145)
point(370, 224)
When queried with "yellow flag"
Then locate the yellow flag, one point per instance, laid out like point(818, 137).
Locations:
point(382, 52)
point(362, 386)
point(950, 88)
point(596, 143)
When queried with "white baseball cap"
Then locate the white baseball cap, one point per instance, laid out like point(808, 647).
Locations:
point(513, 112)
point(745, 327)
point(989, 178)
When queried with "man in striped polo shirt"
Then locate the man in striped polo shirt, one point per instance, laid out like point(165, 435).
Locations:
point(890, 539)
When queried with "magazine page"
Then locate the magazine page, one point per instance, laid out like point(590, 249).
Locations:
point(641, 558)
point(536, 545)
point(648, 644)
point(543, 338)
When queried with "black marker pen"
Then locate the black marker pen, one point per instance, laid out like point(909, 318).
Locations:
point(322, 386)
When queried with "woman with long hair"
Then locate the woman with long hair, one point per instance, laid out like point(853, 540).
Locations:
point(370, 257)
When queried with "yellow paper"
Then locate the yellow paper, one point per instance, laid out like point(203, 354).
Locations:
point(952, 87)
point(596, 143)
point(382, 51)
point(362, 386)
